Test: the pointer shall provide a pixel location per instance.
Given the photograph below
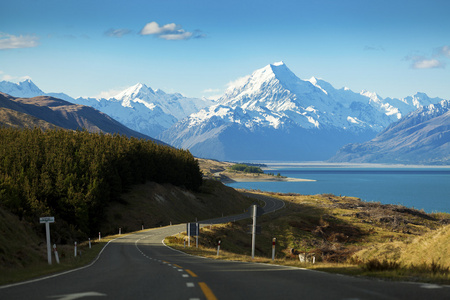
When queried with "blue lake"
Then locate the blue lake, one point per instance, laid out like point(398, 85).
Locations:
point(420, 188)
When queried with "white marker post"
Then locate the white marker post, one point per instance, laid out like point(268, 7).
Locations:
point(56, 253)
point(75, 250)
point(197, 234)
point(273, 248)
point(47, 221)
point(89, 243)
point(218, 248)
point(254, 207)
point(189, 234)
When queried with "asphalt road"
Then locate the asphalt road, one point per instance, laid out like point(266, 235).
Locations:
point(140, 266)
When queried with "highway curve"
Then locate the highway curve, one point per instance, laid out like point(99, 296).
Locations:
point(140, 266)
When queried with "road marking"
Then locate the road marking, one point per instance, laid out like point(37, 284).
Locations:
point(177, 266)
point(185, 275)
point(190, 284)
point(430, 286)
point(191, 273)
point(77, 295)
point(207, 291)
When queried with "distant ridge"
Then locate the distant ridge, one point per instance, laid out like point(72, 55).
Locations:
point(422, 137)
point(274, 115)
point(62, 114)
point(138, 107)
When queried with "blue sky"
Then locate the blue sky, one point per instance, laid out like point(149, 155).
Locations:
point(196, 47)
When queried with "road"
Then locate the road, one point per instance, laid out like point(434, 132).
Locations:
point(140, 266)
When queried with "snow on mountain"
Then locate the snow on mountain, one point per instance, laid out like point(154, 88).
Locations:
point(270, 114)
point(23, 89)
point(139, 107)
point(421, 137)
point(272, 108)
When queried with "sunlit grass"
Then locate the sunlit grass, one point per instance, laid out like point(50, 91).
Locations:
point(68, 261)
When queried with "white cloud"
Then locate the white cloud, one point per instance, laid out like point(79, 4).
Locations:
point(12, 78)
point(212, 94)
point(176, 36)
point(444, 50)
point(238, 82)
point(9, 41)
point(373, 48)
point(423, 63)
point(437, 60)
point(110, 93)
point(154, 28)
point(171, 32)
point(211, 91)
point(117, 32)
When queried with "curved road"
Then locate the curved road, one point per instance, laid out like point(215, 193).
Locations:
point(139, 266)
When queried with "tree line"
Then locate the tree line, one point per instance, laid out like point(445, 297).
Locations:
point(246, 168)
point(74, 175)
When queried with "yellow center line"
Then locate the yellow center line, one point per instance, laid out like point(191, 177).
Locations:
point(175, 265)
point(207, 291)
point(191, 273)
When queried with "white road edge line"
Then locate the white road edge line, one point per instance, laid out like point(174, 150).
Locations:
point(63, 273)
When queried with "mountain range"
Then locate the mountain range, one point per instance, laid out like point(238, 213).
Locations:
point(138, 107)
point(421, 137)
point(273, 115)
point(268, 115)
point(50, 112)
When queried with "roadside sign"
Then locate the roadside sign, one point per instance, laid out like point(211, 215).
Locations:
point(192, 229)
point(47, 220)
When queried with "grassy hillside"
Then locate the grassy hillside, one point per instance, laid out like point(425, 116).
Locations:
point(61, 114)
point(12, 118)
point(432, 248)
point(344, 234)
point(154, 205)
point(23, 250)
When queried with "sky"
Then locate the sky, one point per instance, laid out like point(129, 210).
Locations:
point(194, 47)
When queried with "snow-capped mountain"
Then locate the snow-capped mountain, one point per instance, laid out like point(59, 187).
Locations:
point(23, 89)
point(268, 115)
point(146, 110)
point(422, 137)
point(139, 107)
point(273, 115)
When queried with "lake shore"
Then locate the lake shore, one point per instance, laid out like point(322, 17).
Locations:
point(226, 178)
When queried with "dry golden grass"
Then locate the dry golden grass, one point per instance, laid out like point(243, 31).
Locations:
point(345, 234)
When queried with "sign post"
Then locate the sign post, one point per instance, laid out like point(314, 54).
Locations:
point(47, 221)
point(192, 229)
point(273, 248)
point(254, 208)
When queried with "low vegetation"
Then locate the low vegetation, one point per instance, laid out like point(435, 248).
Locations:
point(246, 169)
point(342, 234)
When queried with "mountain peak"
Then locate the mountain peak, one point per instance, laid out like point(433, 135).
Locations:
point(277, 64)
point(277, 70)
point(138, 90)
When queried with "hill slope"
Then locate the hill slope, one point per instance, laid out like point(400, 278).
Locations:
point(138, 107)
point(422, 137)
point(12, 118)
point(66, 115)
